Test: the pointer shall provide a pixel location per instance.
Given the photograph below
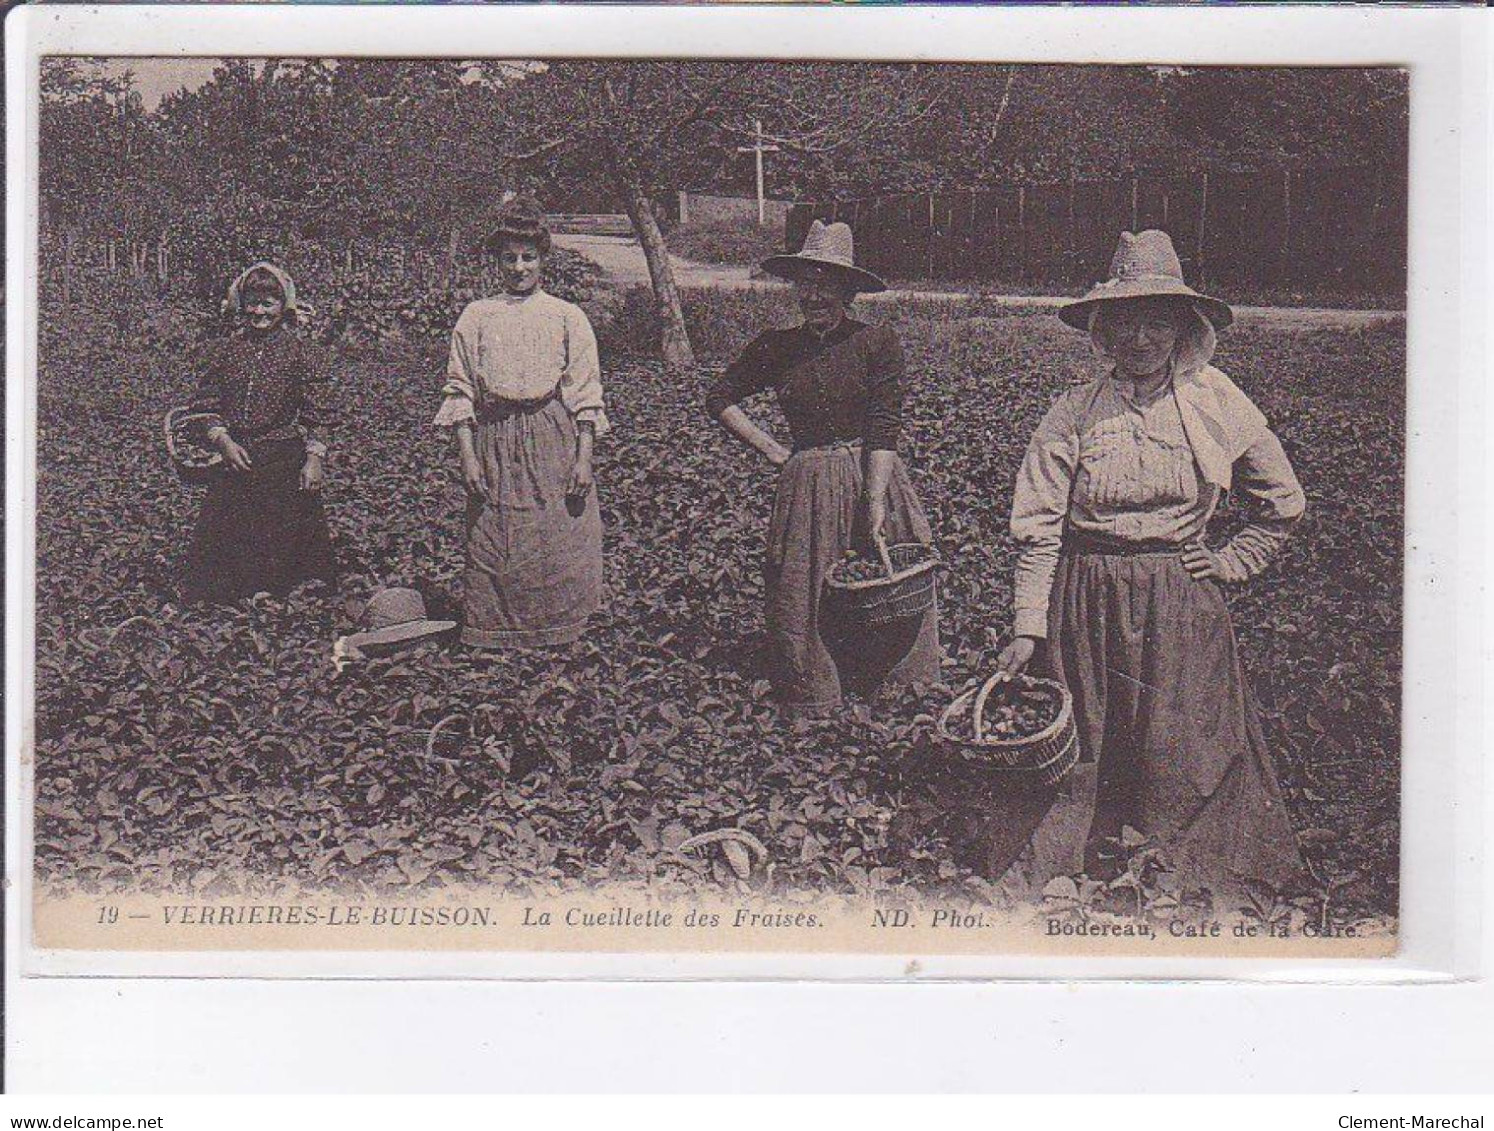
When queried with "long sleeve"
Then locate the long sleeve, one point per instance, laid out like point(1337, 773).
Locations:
point(748, 375)
point(318, 406)
point(581, 381)
point(1040, 503)
point(1264, 476)
point(207, 397)
point(884, 406)
point(460, 389)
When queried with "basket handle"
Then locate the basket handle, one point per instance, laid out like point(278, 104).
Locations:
point(881, 541)
point(978, 716)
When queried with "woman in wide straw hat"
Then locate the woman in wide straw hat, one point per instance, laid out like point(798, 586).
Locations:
point(1110, 512)
point(840, 385)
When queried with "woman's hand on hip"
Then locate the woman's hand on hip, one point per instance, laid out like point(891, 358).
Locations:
point(233, 455)
point(581, 479)
point(1202, 563)
point(1015, 656)
point(312, 476)
point(777, 454)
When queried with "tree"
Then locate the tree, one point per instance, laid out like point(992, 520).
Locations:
point(655, 125)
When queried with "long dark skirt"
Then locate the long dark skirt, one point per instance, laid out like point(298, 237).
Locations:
point(258, 531)
point(1171, 744)
point(813, 659)
point(534, 556)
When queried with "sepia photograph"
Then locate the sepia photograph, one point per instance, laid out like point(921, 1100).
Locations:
point(719, 505)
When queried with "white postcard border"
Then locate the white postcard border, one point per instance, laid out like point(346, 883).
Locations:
point(1442, 775)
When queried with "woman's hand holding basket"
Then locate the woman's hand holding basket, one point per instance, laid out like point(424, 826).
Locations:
point(234, 455)
point(1015, 656)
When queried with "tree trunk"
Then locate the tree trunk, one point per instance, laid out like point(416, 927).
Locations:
point(678, 354)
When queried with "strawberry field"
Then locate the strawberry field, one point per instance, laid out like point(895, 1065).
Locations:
point(222, 751)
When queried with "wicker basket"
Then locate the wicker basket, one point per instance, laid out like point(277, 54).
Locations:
point(195, 465)
point(1045, 757)
point(905, 594)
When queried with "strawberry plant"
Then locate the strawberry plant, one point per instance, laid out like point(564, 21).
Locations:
point(223, 750)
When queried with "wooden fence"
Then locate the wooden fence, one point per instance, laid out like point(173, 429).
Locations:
point(1342, 230)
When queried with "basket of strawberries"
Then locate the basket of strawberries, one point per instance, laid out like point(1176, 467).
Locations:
point(1014, 727)
point(194, 464)
point(893, 587)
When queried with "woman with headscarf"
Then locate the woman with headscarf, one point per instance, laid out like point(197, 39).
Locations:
point(1110, 512)
point(839, 382)
point(265, 400)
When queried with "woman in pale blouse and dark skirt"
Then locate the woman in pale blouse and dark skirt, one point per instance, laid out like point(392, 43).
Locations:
point(1109, 513)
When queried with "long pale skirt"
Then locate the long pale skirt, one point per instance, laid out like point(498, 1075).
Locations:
point(534, 556)
point(813, 659)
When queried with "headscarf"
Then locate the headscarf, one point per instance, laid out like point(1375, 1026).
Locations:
point(234, 302)
point(1219, 420)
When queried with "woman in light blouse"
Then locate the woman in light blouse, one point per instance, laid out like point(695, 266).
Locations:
point(523, 397)
point(1110, 511)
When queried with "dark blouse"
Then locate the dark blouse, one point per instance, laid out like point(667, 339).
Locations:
point(847, 385)
point(263, 388)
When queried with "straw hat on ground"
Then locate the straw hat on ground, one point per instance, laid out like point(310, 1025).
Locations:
point(395, 616)
point(828, 254)
point(1145, 265)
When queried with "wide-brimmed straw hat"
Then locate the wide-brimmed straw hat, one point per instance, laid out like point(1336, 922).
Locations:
point(1145, 266)
point(395, 616)
point(828, 252)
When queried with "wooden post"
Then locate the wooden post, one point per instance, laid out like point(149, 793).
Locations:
point(928, 244)
point(972, 244)
point(1286, 206)
point(1073, 239)
point(996, 238)
point(1203, 214)
point(1022, 231)
point(757, 149)
point(1135, 200)
point(950, 250)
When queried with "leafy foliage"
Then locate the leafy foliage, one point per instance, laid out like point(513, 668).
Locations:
point(724, 241)
point(382, 293)
point(219, 751)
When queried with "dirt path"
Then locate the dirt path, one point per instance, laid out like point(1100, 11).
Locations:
point(622, 263)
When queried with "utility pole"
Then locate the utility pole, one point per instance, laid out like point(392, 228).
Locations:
point(758, 150)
